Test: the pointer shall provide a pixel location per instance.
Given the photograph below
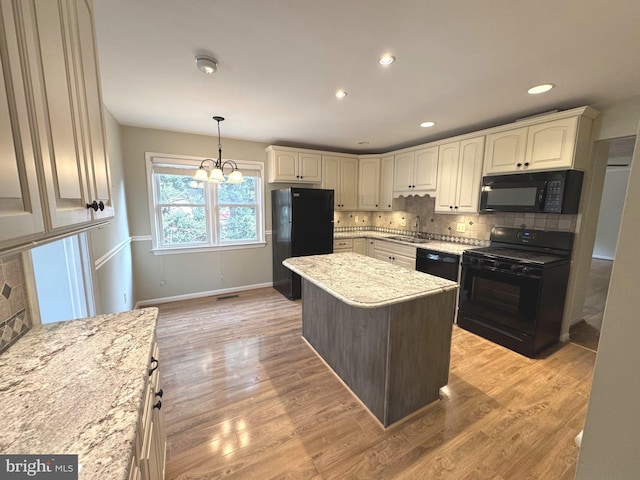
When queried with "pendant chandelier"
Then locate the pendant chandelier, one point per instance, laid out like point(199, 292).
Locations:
point(217, 166)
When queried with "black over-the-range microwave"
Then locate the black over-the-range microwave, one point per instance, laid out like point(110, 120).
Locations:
point(538, 192)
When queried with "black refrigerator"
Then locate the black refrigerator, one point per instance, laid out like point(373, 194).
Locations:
point(302, 224)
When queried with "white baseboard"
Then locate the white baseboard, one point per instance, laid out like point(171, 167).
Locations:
point(189, 296)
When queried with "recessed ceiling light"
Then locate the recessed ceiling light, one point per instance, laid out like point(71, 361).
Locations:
point(427, 124)
point(206, 64)
point(386, 60)
point(545, 87)
point(341, 94)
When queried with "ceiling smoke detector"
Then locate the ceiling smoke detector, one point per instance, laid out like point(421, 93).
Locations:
point(206, 64)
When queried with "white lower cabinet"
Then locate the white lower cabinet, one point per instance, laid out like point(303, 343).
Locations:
point(360, 246)
point(150, 447)
point(401, 255)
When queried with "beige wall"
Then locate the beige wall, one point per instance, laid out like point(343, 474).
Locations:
point(611, 440)
point(110, 244)
point(166, 276)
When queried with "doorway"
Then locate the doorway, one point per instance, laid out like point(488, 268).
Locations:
point(587, 331)
point(63, 279)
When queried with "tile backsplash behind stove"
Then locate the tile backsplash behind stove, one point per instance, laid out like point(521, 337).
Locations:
point(15, 320)
point(476, 225)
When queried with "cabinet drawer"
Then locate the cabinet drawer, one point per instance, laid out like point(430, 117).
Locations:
point(396, 248)
point(343, 245)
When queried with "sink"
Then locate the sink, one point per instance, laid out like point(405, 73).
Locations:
point(409, 239)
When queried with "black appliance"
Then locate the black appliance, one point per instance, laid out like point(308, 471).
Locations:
point(513, 292)
point(543, 192)
point(445, 265)
point(302, 224)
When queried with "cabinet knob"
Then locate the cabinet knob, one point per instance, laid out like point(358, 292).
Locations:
point(450, 206)
point(153, 367)
point(526, 164)
point(518, 164)
point(93, 205)
point(158, 405)
point(456, 207)
point(376, 205)
point(160, 393)
point(101, 205)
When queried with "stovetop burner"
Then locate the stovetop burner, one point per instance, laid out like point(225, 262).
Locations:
point(518, 255)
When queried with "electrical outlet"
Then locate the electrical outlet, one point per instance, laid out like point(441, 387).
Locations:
point(461, 227)
point(403, 222)
point(357, 219)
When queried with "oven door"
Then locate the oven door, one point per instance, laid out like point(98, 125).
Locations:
point(500, 301)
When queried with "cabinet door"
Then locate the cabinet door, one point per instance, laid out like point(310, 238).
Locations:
point(447, 178)
point(310, 167)
point(551, 144)
point(425, 169)
point(469, 175)
point(385, 198)
point(20, 208)
point(505, 151)
point(331, 178)
point(284, 167)
point(95, 152)
point(403, 173)
point(349, 183)
point(369, 184)
point(48, 34)
point(360, 246)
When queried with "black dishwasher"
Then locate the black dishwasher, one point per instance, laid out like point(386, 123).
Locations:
point(445, 265)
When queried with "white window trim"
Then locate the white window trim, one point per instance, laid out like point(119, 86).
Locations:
point(152, 158)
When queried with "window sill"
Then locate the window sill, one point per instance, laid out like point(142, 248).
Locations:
point(184, 250)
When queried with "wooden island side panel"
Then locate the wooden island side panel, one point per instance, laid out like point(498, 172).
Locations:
point(393, 358)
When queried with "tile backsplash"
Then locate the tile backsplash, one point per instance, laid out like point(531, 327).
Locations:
point(15, 320)
point(477, 226)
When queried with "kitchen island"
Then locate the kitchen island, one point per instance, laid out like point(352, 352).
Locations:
point(383, 329)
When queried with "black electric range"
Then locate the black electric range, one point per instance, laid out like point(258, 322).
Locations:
point(513, 291)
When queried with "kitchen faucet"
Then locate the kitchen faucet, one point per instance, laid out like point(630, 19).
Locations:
point(417, 225)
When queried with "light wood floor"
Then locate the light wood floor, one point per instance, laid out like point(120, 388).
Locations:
point(587, 332)
point(246, 398)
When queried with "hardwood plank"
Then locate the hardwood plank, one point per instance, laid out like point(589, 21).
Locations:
point(246, 398)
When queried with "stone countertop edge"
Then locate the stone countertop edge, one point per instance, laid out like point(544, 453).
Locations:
point(344, 274)
point(77, 387)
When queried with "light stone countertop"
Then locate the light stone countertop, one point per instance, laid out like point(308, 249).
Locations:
point(366, 282)
point(438, 245)
point(77, 387)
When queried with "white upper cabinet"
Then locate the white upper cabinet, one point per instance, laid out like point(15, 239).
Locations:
point(290, 166)
point(68, 111)
point(20, 208)
point(459, 176)
point(415, 172)
point(386, 183)
point(505, 151)
point(341, 175)
point(369, 184)
point(544, 146)
point(375, 183)
point(551, 144)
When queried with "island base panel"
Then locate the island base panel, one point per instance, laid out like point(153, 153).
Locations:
point(393, 358)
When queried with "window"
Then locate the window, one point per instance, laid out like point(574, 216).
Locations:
point(187, 215)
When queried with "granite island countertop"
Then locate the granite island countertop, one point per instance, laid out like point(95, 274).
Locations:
point(76, 387)
point(366, 282)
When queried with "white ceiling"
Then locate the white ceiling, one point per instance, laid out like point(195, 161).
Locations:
point(464, 64)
